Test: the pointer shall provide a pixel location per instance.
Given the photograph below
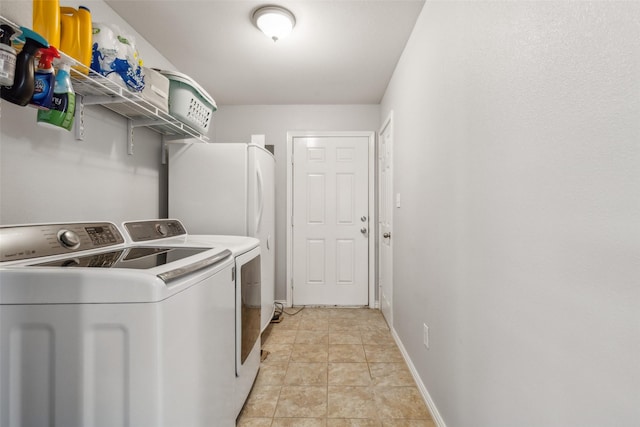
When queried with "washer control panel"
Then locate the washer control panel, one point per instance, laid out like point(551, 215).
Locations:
point(141, 231)
point(36, 241)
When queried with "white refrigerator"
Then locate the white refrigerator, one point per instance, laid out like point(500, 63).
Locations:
point(228, 189)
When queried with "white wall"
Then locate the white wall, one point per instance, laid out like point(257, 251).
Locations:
point(47, 175)
point(517, 155)
point(238, 123)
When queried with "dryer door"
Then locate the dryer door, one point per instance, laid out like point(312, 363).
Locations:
point(248, 305)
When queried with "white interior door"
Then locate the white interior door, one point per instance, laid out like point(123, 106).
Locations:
point(330, 220)
point(385, 215)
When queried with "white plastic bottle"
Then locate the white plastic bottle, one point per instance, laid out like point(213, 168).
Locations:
point(7, 56)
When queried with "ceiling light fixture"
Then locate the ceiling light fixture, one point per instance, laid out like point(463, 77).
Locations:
point(275, 21)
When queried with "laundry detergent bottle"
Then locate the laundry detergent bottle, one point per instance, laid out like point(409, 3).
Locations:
point(85, 34)
point(44, 79)
point(63, 104)
point(46, 20)
point(76, 35)
point(21, 91)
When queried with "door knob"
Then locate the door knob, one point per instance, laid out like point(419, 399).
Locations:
point(363, 230)
point(363, 218)
point(387, 235)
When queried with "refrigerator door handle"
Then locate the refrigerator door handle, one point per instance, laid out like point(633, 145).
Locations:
point(260, 199)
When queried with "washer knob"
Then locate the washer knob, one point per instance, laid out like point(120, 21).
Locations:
point(162, 229)
point(69, 239)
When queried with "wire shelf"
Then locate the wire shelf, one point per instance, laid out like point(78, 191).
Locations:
point(95, 89)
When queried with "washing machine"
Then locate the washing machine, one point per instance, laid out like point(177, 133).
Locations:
point(246, 254)
point(97, 330)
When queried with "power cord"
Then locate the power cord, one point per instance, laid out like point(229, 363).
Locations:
point(279, 310)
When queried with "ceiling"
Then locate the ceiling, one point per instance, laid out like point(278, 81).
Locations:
point(340, 51)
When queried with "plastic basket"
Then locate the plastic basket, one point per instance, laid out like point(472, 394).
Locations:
point(189, 102)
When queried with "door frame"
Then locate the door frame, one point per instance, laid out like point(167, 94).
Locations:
point(373, 220)
point(387, 124)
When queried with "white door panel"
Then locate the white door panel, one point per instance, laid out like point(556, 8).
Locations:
point(330, 238)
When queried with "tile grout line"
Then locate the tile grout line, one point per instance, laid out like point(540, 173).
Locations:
point(369, 359)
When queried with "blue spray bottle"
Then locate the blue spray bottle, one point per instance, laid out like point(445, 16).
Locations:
point(44, 79)
point(63, 103)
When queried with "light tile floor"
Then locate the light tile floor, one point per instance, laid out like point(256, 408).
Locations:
point(333, 367)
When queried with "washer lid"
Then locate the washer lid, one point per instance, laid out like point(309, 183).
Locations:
point(135, 274)
point(145, 258)
point(137, 257)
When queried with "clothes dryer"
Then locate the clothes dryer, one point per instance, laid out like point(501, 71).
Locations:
point(246, 252)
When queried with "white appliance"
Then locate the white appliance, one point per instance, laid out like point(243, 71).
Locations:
point(246, 254)
point(226, 188)
point(98, 331)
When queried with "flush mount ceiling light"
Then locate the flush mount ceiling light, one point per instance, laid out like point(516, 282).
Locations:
point(275, 21)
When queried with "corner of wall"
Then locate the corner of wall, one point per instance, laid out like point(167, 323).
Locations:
point(431, 405)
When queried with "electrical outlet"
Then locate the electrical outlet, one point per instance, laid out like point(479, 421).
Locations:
point(425, 335)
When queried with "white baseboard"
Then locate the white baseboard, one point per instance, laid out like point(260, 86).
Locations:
point(437, 418)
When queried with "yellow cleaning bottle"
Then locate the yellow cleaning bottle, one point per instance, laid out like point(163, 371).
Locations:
point(46, 20)
point(76, 35)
